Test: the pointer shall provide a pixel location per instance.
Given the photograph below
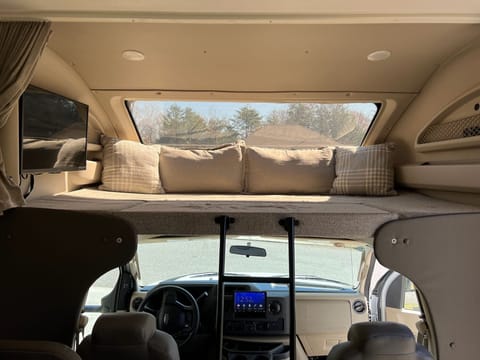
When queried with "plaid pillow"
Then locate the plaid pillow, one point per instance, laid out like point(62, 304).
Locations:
point(129, 166)
point(364, 170)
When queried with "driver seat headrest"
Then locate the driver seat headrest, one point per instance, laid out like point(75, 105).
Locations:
point(379, 341)
point(128, 336)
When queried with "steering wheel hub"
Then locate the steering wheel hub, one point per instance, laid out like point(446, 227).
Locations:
point(176, 311)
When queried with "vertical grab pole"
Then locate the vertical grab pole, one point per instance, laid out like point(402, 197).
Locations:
point(289, 226)
point(224, 222)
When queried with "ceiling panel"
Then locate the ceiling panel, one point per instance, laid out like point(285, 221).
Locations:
point(239, 57)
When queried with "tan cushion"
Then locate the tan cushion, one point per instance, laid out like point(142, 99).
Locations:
point(202, 171)
point(123, 335)
point(280, 171)
point(129, 166)
point(124, 328)
point(364, 170)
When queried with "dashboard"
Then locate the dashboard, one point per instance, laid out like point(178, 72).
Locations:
point(323, 315)
point(249, 309)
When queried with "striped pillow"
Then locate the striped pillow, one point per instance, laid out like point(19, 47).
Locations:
point(364, 170)
point(129, 166)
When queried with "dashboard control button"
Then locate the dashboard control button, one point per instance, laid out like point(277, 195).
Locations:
point(275, 307)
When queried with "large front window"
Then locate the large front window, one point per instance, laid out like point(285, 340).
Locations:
point(320, 263)
point(187, 123)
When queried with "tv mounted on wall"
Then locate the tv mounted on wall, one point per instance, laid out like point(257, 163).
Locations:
point(53, 132)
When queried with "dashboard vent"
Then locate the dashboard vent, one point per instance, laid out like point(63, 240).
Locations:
point(359, 306)
point(458, 129)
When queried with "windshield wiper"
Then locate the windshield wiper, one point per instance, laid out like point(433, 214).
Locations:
point(297, 277)
point(216, 274)
point(318, 278)
point(201, 274)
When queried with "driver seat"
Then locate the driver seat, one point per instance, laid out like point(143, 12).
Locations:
point(132, 336)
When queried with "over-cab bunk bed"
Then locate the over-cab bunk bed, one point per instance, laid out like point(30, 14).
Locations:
point(179, 190)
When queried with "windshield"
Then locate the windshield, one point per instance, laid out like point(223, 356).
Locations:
point(201, 123)
point(319, 262)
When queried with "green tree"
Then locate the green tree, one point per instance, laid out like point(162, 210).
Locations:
point(220, 131)
point(182, 126)
point(246, 121)
point(172, 121)
point(194, 126)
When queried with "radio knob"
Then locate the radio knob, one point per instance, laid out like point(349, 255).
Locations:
point(275, 307)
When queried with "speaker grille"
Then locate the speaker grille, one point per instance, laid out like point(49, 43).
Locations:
point(458, 129)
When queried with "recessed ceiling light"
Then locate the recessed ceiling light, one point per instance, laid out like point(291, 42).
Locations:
point(133, 55)
point(379, 55)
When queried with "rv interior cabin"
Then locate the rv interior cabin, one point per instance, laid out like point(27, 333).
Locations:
point(239, 180)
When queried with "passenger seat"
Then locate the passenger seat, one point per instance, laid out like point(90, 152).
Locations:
point(379, 341)
point(128, 336)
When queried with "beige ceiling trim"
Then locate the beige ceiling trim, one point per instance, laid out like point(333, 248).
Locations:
point(254, 96)
point(195, 18)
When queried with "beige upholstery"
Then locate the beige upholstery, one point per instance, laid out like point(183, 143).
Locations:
point(202, 171)
point(35, 350)
point(283, 171)
point(131, 336)
point(379, 341)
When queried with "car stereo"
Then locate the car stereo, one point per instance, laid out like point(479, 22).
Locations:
point(252, 313)
point(249, 303)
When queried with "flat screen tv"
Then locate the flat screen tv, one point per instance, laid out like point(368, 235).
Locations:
point(53, 132)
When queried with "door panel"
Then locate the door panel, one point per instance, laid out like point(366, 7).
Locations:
point(403, 316)
point(394, 298)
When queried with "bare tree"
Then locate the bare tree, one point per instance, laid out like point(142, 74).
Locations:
point(148, 119)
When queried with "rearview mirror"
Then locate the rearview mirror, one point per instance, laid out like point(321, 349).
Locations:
point(247, 250)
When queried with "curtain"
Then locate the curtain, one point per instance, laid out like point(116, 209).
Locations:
point(21, 44)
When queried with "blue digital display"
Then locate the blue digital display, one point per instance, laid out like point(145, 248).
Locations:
point(249, 302)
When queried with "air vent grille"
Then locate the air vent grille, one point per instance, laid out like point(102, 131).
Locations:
point(359, 306)
point(458, 129)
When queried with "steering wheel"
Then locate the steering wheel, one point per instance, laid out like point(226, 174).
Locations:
point(175, 309)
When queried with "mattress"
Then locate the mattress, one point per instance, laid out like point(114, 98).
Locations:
point(342, 217)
